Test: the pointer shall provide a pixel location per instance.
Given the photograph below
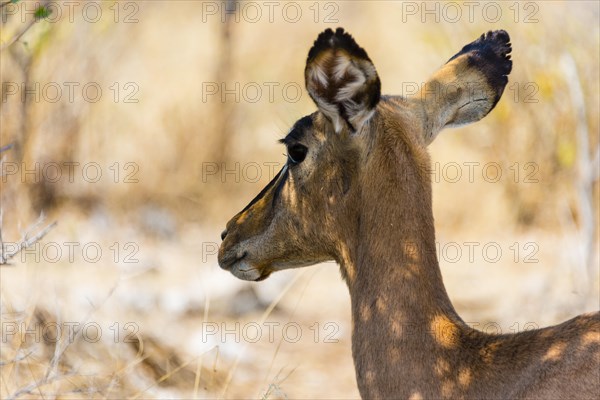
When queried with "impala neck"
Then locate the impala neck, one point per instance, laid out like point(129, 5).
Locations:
point(399, 273)
point(403, 320)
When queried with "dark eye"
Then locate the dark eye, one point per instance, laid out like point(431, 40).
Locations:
point(297, 153)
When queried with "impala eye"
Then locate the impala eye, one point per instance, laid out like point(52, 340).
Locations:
point(297, 153)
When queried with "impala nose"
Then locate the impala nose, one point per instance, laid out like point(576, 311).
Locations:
point(223, 234)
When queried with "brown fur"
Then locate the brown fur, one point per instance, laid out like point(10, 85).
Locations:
point(362, 197)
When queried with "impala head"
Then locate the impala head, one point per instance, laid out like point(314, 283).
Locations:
point(358, 153)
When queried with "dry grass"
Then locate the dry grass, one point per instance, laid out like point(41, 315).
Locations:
point(168, 216)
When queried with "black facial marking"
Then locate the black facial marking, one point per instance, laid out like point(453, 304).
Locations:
point(298, 130)
point(284, 178)
point(263, 192)
point(296, 134)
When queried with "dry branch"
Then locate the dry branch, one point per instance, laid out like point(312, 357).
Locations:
point(26, 240)
point(23, 31)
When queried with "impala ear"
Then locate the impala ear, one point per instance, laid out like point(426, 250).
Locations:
point(469, 85)
point(342, 80)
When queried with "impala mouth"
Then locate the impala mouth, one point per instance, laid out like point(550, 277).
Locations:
point(242, 268)
point(264, 275)
point(230, 260)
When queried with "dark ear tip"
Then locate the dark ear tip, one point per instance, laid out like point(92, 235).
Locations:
point(494, 46)
point(498, 44)
point(498, 41)
point(328, 39)
point(500, 34)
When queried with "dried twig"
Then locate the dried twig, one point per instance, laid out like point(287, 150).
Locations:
point(16, 359)
point(7, 147)
point(35, 386)
point(17, 36)
point(26, 240)
point(20, 34)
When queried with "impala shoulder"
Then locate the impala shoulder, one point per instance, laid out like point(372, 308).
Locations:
point(588, 326)
point(579, 334)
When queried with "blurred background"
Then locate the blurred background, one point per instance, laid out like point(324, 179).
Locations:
point(131, 131)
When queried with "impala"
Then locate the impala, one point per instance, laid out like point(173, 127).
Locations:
point(356, 189)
